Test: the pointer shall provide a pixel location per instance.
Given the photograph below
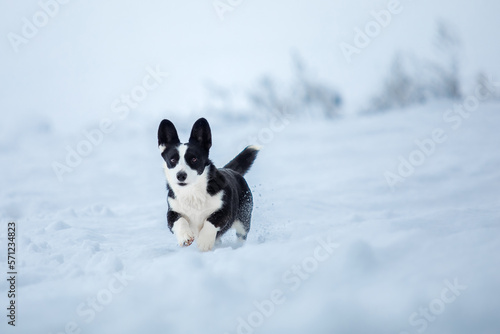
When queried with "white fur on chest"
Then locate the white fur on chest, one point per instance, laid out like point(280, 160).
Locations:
point(194, 203)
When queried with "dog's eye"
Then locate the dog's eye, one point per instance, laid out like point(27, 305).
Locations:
point(193, 160)
point(173, 160)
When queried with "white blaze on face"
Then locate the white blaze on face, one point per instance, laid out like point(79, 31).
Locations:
point(182, 166)
point(191, 200)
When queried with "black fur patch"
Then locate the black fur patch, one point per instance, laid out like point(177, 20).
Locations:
point(201, 135)
point(167, 134)
point(197, 158)
point(171, 156)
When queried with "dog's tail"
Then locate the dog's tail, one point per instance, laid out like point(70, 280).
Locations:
point(243, 161)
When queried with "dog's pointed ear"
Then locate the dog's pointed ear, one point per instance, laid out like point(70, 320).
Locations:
point(167, 134)
point(201, 134)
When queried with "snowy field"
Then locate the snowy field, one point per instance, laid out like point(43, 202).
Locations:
point(386, 222)
point(332, 248)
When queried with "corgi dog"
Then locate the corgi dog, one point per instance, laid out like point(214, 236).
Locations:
point(204, 201)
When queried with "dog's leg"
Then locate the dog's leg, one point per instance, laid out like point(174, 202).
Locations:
point(242, 223)
point(241, 230)
point(183, 232)
point(206, 238)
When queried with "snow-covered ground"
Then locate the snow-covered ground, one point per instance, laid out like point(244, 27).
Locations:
point(332, 248)
point(380, 223)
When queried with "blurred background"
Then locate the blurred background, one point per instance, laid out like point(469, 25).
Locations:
point(240, 57)
point(379, 122)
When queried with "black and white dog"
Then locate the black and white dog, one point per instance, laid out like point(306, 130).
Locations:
point(204, 201)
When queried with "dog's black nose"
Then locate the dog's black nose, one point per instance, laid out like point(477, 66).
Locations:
point(181, 176)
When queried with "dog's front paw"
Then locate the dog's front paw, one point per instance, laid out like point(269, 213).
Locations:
point(205, 245)
point(206, 239)
point(183, 232)
point(185, 237)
